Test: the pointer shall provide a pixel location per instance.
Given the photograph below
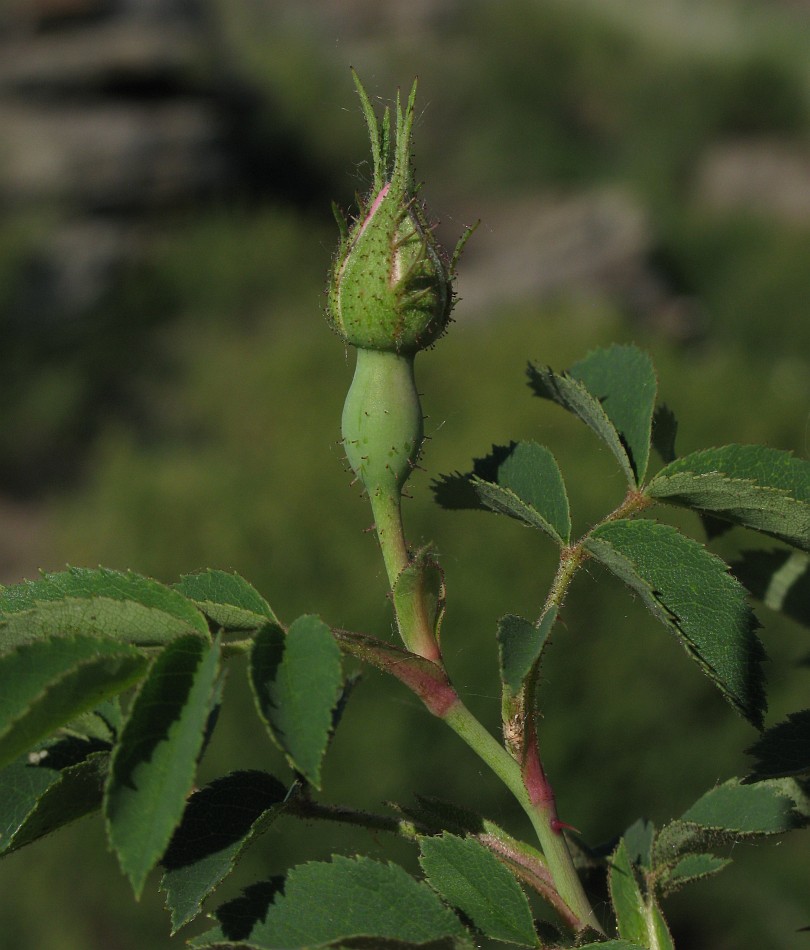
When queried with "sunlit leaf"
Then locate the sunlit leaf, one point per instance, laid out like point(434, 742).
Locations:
point(297, 681)
point(123, 606)
point(692, 592)
point(228, 600)
point(751, 485)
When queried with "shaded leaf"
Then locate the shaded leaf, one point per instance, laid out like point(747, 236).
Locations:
point(691, 592)
point(123, 606)
point(296, 681)
point(471, 878)
point(520, 646)
point(613, 392)
point(47, 683)
point(228, 600)
point(751, 485)
point(220, 822)
point(780, 579)
point(729, 812)
point(154, 763)
point(664, 432)
point(692, 867)
point(612, 945)
point(329, 902)
point(43, 792)
point(521, 480)
point(784, 749)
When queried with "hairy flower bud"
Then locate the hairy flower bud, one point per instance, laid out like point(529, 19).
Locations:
point(391, 283)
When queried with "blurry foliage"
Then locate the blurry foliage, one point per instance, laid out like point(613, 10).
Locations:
point(224, 449)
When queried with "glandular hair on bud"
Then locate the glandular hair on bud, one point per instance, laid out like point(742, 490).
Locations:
point(390, 286)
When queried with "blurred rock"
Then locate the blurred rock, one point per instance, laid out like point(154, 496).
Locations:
point(763, 177)
point(108, 156)
point(597, 244)
point(104, 125)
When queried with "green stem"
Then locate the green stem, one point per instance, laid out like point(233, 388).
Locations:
point(387, 511)
point(541, 815)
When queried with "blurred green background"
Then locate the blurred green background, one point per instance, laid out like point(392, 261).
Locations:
point(642, 173)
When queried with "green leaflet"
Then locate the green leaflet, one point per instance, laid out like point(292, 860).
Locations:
point(692, 867)
point(727, 813)
point(296, 681)
point(64, 785)
point(784, 749)
point(751, 485)
point(691, 592)
point(520, 646)
point(124, 606)
point(521, 480)
point(471, 878)
point(638, 917)
point(326, 902)
point(48, 683)
point(613, 392)
point(220, 822)
point(155, 761)
point(228, 600)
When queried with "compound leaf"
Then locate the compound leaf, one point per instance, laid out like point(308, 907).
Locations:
point(48, 683)
point(154, 763)
point(613, 392)
point(48, 789)
point(228, 600)
point(780, 579)
point(220, 822)
point(329, 903)
point(784, 749)
point(471, 878)
point(296, 681)
point(751, 485)
point(693, 594)
point(730, 812)
point(123, 606)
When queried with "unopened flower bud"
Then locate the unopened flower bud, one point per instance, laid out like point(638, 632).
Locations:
point(391, 282)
